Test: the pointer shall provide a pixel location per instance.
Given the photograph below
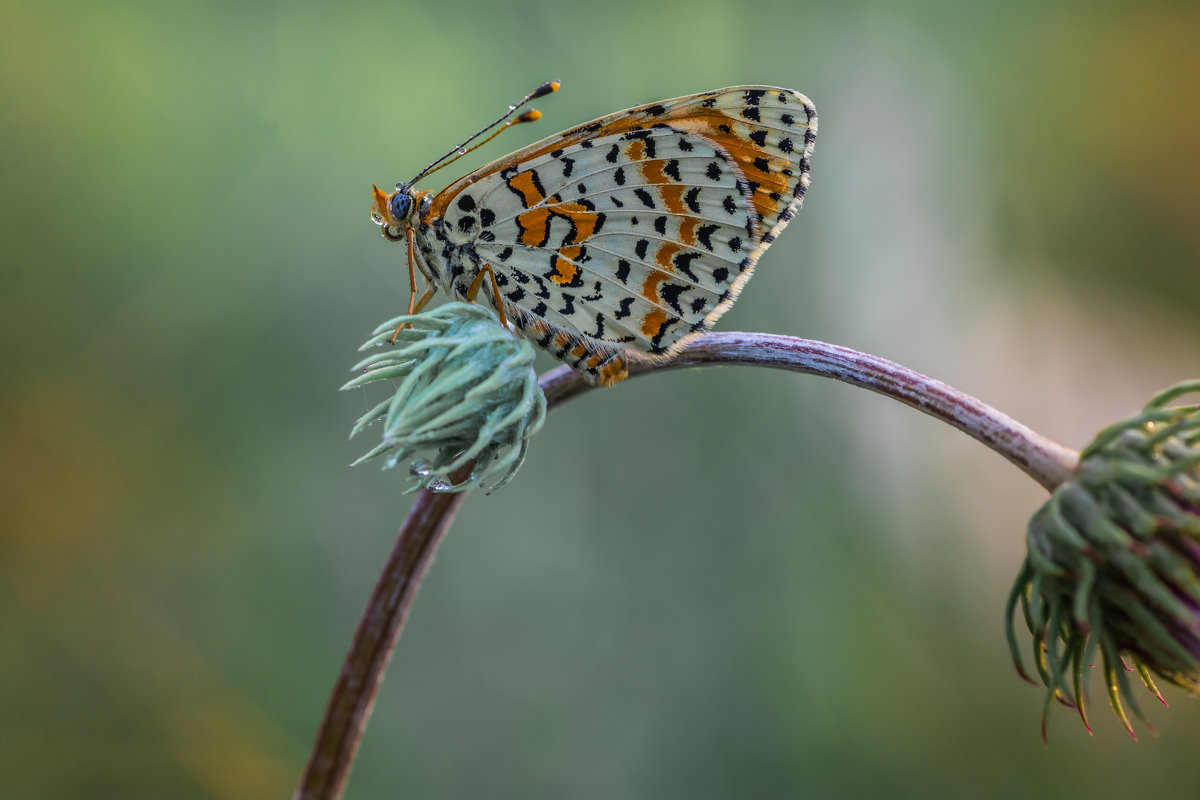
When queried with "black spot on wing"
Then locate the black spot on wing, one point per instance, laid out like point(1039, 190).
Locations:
point(466, 202)
point(656, 343)
point(683, 263)
point(486, 217)
point(670, 292)
point(704, 234)
point(644, 196)
point(640, 248)
point(599, 332)
point(692, 198)
point(672, 169)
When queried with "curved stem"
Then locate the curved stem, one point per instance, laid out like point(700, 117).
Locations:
point(362, 671)
point(374, 640)
point(1046, 461)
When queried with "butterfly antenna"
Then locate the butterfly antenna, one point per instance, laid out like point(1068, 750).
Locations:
point(459, 151)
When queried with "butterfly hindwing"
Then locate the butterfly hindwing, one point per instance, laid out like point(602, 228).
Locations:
point(634, 233)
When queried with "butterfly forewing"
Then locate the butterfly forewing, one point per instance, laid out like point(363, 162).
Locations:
point(629, 235)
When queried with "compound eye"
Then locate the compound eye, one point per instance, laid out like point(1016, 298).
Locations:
point(400, 205)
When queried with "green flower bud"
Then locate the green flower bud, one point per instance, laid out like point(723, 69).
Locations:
point(465, 393)
point(1113, 563)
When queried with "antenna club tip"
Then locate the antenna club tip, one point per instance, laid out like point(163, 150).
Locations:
point(546, 88)
point(532, 115)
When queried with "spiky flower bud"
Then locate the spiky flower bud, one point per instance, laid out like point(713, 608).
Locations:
point(1113, 563)
point(465, 392)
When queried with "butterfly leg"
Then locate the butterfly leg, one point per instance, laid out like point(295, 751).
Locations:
point(412, 283)
point(430, 292)
point(473, 290)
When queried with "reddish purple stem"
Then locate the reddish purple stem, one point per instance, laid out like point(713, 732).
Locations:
point(362, 672)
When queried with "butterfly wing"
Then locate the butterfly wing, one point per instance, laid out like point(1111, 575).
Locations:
point(634, 233)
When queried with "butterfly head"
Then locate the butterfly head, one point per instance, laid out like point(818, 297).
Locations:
point(394, 212)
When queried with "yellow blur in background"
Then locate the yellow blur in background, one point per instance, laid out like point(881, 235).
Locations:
point(724, 583)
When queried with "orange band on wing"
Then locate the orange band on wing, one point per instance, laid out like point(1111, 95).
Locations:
point(613, 372)
point(525, 184)
point(653, 323)
point(585, 220)
point(565, 272)
point(687, 229)
point(665, 253)
point(672, 197)
point(534, 226)
point(652, 171)
point(650, 285)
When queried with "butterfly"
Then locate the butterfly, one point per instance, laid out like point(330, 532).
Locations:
point(620, 239)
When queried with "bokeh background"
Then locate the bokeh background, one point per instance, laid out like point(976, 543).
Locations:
point(725, 583)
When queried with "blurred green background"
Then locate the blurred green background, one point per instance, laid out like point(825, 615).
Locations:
point(725, 583)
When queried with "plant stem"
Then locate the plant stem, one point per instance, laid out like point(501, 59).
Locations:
point(354, 693)
point(1046, 461)
point(353, 696)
